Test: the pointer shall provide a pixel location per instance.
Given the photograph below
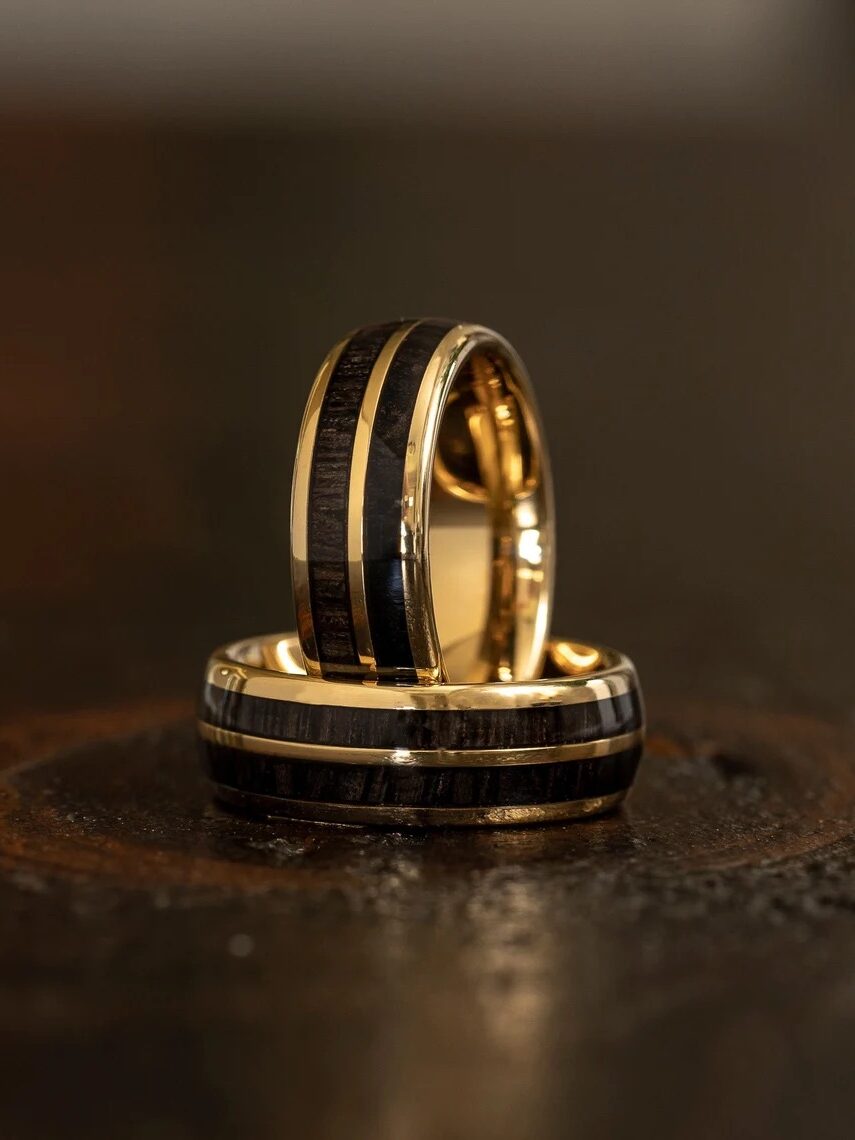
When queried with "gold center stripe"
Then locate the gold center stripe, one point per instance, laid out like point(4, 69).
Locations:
point(418, 758)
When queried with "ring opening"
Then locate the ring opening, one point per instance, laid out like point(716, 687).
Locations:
point(281, 654)
point(489, 554)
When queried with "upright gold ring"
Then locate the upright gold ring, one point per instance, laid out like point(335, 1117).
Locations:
point(422, 521)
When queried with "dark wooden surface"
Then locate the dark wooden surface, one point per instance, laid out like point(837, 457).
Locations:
point(684, 969)
point(681, 969)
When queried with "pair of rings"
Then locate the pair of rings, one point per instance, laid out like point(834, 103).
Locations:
point(421, 686)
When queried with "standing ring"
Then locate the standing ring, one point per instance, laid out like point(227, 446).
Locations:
point(422, 521)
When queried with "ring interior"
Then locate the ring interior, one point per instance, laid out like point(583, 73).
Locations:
point(282, 654)
point(489, 548)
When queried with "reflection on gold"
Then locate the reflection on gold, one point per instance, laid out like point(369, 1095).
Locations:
point(384, 815)
point(489, 955)
point(287, 656)
point(270, 666)
point(573, 658)
point(490, 474)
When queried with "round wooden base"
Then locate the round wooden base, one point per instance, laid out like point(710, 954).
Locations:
point(703, 930)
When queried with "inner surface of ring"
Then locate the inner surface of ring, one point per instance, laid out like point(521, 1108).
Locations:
point(488, 549)
point(283, 655)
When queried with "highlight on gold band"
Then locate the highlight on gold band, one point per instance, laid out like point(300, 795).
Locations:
point(422, 533)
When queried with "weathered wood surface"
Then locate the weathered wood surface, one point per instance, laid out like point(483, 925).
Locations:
point(681, 969)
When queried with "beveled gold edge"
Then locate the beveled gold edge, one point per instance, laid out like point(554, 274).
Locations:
point(226, 670)
point(300, 487)
point(386, 816)
point(420, 758)
point(356, 494)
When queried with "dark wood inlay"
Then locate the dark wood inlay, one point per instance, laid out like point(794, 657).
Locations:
point(537, 727)
point(384, 585)
point(329, 486)
point(419, 787)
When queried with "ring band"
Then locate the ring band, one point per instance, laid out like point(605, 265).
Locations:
point(422, 531)
point(277, 741)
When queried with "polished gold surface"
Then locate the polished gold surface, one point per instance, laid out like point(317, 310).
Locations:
point(476, 517)
point(417, 817)
point(420, 758)
point(572, 658)
point(271, 666)
point(478, 503)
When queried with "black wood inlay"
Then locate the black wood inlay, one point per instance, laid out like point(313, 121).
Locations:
point(536, 727)
point(420, 787)
point(384, 585)
point(328, 496)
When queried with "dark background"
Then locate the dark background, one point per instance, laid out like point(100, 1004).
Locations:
point(682, 294)
point(653, 205)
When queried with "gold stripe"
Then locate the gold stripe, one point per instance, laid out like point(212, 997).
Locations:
point(300, 508)
point(356, 500)
point(420, 758)
point(418, 817)
point(229, 668)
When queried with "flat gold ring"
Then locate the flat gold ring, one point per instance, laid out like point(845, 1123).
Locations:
point(422, 520)
point(277, 741)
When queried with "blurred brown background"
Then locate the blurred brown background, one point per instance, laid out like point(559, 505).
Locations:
point(655, 207)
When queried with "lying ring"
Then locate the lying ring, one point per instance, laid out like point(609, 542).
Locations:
point(276, 741)
point(422, 529)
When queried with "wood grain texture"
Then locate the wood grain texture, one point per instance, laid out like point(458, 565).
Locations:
point(329, 485)
point(536, 727)
point(403, 786)
point(383, 573)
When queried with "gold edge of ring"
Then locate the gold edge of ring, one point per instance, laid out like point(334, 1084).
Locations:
point(421, 758)
point(323, 812)
point(224, 672)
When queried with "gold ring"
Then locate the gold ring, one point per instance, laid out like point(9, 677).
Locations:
point(277, 741)
point(422, 529)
